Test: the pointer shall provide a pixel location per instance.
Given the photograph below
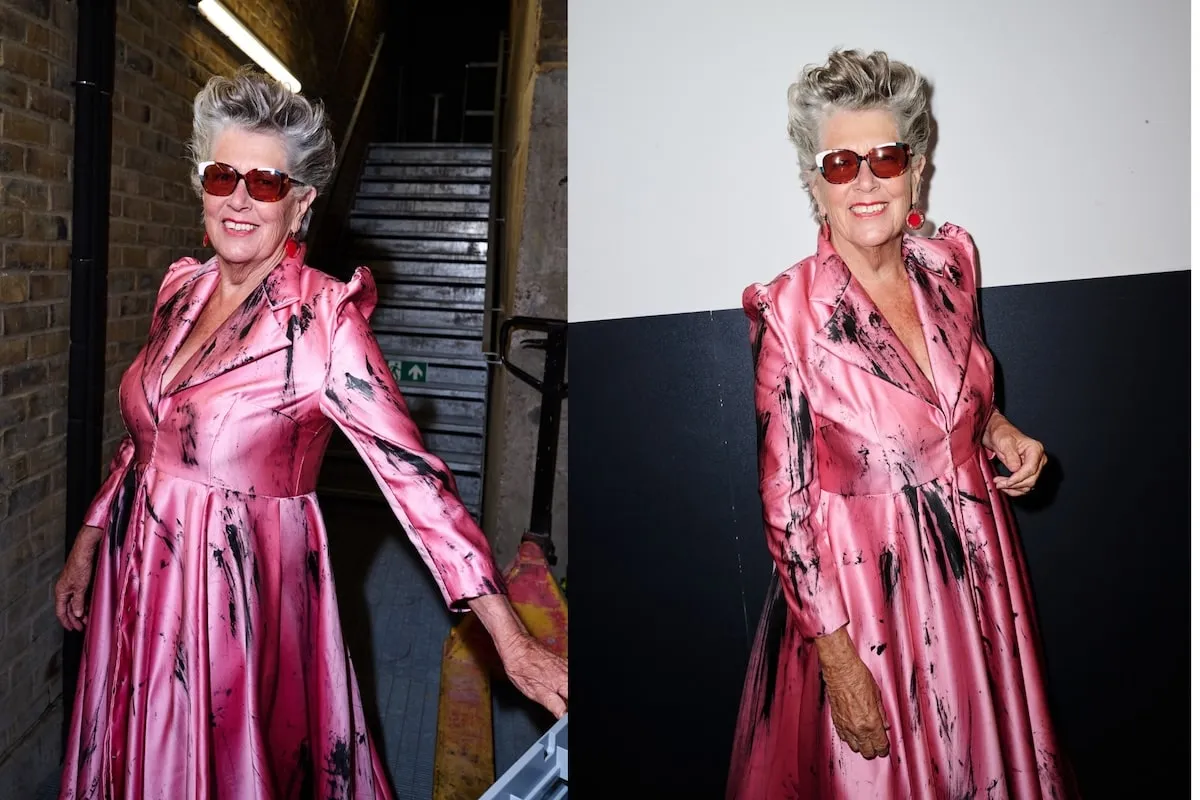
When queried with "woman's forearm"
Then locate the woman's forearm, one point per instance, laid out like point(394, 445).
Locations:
point(995, 422)
point(501, 621)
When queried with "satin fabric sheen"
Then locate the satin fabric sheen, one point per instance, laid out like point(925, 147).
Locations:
point(214, 664)
point(881, 515)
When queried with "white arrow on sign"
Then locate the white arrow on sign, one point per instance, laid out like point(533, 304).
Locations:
point(415, 372)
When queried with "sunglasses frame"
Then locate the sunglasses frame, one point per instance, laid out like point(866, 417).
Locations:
point(820, 158)
point(288, 182)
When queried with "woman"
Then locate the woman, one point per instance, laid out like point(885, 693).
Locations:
point(214, 664)
point(897, 656)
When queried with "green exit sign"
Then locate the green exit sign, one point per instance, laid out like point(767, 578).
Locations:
point(410, 371)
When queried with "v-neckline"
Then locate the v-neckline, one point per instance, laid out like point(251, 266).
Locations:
point(167, 387)
point(914, 291)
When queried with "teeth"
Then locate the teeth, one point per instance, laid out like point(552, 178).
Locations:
point(869, 209)
point(240, 226)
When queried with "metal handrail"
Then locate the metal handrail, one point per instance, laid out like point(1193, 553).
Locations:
point(321, 215)
point(496, 221)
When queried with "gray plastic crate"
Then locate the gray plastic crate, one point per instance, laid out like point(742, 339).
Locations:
point(540, 774)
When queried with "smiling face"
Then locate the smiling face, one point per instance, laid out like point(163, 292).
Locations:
point(245, 232)
point(867, 212)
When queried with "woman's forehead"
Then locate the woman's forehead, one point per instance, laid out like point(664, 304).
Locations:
point(245, 149)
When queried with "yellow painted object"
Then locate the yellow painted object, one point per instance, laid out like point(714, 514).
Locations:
point(464, 764)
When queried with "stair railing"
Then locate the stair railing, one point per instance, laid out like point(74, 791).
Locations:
point(496, 221)
point(330, 212)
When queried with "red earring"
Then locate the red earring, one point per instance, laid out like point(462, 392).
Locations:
point(205, 239)
point(915, 219)
point(291, 247)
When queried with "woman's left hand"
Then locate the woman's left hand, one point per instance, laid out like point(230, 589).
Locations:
point(540, 674)
point(1025, 457)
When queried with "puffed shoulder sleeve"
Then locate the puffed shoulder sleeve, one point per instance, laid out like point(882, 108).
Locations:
point(788, 483)
point(966, 262)
point(361, 396)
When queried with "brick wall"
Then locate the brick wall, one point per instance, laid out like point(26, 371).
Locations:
point(164, 53)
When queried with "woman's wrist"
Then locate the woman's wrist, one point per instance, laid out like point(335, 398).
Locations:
point(834, 649)
point(995, 422)
point(501, 621)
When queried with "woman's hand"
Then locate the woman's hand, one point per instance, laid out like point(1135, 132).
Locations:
point(540, 674)
point(1024, 457)
point(71, 588)
point(854, 700)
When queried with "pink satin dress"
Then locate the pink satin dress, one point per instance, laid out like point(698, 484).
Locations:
point(881, 516)
point(214, 664)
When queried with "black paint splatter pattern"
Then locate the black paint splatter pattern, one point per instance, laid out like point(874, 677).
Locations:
point(212, 599)
point(881, 518)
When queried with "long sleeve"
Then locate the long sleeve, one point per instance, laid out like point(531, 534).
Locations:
point(100, 511)
point(788, 481)
point(361, 397)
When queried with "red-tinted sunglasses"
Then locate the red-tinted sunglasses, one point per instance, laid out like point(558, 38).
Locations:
point(264, 185)
point(885, 161)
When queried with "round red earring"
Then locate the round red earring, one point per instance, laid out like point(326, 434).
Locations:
point(915, 219)
point(205, 239)
point(291, 247)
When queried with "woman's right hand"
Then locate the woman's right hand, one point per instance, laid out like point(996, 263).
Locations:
point(854, 700)
point(70, 591)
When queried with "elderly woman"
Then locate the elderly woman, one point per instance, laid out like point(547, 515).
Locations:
point(214, 664)
point(897, 655)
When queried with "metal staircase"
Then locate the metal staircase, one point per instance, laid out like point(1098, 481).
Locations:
point(420, 223)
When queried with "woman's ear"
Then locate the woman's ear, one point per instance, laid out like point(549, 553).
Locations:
point(302, 205)
point(918, 169)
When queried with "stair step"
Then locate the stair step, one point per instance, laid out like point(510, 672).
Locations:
point(426, 347)
point(459, 173)
point(425, 407)
point(387, 322)
point(374, 247)
point(370, 186)
point(402, 227)
point(431, 295)
point(451, 323)
point(460, 425)
point(456, 273)
point(344, 473)
point(421, 208)
point(424, 153)
point(445, 391)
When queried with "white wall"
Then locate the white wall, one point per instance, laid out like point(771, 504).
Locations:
point(684, 186)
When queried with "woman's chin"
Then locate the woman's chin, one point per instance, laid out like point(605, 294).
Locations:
point(873, 233)
point(240, 252)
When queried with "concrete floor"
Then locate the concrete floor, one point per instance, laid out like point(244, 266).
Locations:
point(395, 624)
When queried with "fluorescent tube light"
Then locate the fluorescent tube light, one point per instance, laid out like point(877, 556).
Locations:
point(247, 42)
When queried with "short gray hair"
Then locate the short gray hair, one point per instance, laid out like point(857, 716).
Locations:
point(253, 101)
point(854, 81)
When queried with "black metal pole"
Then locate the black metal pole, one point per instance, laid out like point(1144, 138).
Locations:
point(554, 389)
point(95, 62)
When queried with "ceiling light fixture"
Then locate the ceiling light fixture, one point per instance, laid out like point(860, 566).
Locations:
point(247, 42)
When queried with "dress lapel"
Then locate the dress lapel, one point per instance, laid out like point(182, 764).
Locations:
point(854, 331)
point(255, 330)
point(172, 322)
point(945, 310)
